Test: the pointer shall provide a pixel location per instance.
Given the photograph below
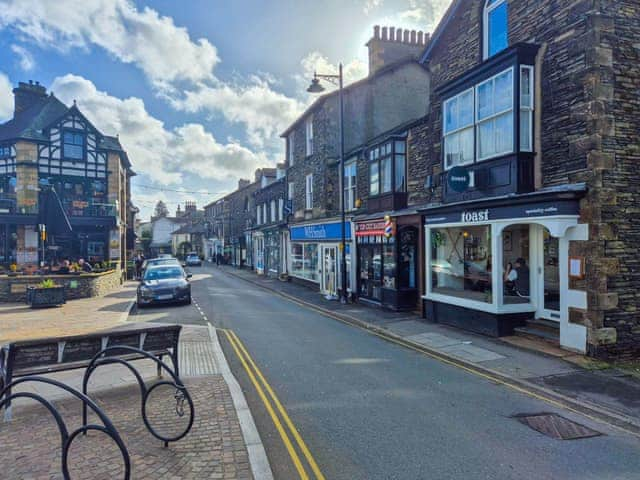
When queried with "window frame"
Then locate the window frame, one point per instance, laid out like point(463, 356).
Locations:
point(487, 9)
point(375, 156)
point(458, 130)
point(272, 207)
point(308, 130)
point(73, 131)
point(291, 148)
point(350, 185)
point(530, 109)
point(308, 190)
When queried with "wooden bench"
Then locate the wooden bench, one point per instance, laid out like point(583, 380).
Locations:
point(48, 355)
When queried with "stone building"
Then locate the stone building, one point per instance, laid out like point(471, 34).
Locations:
point(56, 167)
point(526, 170)
point(377, 110)
point(269, 234)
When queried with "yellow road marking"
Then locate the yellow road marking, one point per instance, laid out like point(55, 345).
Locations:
point(283, 412)
point(276, 421)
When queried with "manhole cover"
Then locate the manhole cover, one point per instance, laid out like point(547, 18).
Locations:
point(555, 426)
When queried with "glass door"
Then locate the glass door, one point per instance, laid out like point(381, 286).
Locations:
point(329, 271)
point(550, 276)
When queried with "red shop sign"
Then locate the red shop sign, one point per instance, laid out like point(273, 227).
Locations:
point(375, 227)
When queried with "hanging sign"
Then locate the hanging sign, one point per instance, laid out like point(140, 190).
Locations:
point(458, 179)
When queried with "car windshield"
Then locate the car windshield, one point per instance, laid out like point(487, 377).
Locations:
point(163, 261)
point(162, 273)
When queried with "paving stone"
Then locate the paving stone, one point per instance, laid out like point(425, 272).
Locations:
point(434, 340)
point(472, 353)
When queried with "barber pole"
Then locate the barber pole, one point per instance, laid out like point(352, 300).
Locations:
point(388, 227)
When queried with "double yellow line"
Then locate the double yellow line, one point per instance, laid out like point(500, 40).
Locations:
point(271, 401)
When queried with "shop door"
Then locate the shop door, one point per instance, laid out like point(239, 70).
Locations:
point(329, 270)
point(370, 265)
point(549, 276)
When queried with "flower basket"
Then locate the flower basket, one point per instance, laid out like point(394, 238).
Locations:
point(39, 297)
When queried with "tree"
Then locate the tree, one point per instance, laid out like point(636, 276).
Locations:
point(145, 241)
point(161, 210)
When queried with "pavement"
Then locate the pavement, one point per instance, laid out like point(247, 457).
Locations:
point(522, 362)
point(371, 407)
point(222, 444)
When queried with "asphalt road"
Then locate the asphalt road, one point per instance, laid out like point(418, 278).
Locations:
point(369, 409)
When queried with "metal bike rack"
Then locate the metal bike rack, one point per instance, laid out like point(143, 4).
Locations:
point(181, 394)
point(66, 437)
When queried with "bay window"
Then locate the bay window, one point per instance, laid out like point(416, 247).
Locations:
point(526, 108)
point(387, 168)
point(494, 116)
point(458, 129)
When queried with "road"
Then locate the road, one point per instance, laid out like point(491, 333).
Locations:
point(369, 409)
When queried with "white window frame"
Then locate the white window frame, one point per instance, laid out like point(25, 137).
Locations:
point(308, 128)
point(308, 203)
point(273, 211)
point(265, 217)
point(460, 129)
point(486, 11)
point(290, 148)
point(290, 190)
point(350, 190)
point(494, 115)
point(280, 209)
point(258, 215)
point(527, 109)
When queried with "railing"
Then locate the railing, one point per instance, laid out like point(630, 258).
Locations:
point(9, 204)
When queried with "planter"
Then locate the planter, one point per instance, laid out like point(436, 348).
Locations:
point(45, 297)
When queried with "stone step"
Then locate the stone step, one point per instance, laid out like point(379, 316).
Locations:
point(542, 329)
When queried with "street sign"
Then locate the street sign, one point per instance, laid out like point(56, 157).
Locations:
point(458, 179)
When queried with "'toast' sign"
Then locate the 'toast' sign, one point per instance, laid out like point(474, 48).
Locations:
point(475, 216)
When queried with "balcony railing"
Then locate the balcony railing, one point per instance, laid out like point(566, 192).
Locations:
point(77, 208)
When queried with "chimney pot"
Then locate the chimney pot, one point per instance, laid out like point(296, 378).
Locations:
point(384, 33)
point(413, 36)
point(420, 37)
point(392, 33)
point(406, 36)
point(398, 37)
point(376, 31)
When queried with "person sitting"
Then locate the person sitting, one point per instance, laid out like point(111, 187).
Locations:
point(65, 267)
point(509, 277)
point(521, 281)
point(85, 266)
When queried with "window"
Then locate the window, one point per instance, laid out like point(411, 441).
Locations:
point(461, 262)
point(458, 129)
point(495, 27)
point(526, 109)
point(350, 185)
point(73, 145)
point(387, 168)
point(5, 152)
point(309, 135)
point(494, 115)
point(281, 209)
point(290, 148)
point(304, 260)
point(265, 218)
point(309, 192)
point(273, 210)
point(290, 191)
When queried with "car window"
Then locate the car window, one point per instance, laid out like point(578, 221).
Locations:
point(162, 273)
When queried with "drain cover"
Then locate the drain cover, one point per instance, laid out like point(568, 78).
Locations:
point(555, 426)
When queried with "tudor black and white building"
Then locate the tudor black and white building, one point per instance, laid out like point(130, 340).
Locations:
point(48, 146)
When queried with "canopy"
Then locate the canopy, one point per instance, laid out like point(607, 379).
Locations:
point(51, 213)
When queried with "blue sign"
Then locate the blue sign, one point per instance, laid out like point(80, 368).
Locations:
point(321, 232)
point(459, 179)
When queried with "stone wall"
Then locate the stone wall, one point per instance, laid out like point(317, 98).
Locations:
point(13, 289)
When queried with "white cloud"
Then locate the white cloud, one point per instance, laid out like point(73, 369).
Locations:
point(370, 5)
point(25, 59)
point(315, 61)
point(165, 52)
point(6, 98)
point(417, 14)
point(161, 154)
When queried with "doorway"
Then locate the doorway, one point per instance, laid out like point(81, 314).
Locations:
point(549, 275)
point(329, 277)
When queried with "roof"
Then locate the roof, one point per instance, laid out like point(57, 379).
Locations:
point(29, 123)
point(382, 71)
point(190, 229)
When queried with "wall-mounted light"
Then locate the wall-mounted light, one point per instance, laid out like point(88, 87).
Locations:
point(358, 203)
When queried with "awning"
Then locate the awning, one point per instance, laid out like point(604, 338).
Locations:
point(51, 213)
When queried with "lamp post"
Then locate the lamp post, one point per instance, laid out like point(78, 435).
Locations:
point(315, 87)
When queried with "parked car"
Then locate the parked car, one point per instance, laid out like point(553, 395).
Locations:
point(193, 260)
point(164, 284)
point(158, 261)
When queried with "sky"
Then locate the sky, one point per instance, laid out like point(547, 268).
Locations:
point(198, 91)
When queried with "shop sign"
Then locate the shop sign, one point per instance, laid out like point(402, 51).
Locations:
point(79, 204)
point(375, 227)
point(458, 179)
point(324, 231)
point(531, 210)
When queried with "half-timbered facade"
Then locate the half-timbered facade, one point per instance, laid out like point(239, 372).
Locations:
point(47, 145)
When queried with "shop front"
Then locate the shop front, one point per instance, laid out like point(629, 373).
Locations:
point(491, 267)
point(388, 262)
point(272, 242)
point(315, 254)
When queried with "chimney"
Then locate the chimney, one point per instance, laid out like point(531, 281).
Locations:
point(243, 182)
point(189, 207)
point(394, 44)
point(26, 95)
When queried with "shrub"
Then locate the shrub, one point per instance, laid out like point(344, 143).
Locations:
point(47, 283)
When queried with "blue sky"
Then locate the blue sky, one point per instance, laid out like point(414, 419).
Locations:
point(197, 90)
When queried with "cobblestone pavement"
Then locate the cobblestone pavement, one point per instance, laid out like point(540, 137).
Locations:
point(214, 449)
point(19, 322)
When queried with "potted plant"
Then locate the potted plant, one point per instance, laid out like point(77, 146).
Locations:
point(45, 294)
point(13, 270)
point(75, 269)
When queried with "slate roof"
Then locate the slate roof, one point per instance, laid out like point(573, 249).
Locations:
point(28, 124)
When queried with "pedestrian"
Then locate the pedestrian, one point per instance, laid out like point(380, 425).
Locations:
point(138, 264)
point(85, 266)
point(218, 259)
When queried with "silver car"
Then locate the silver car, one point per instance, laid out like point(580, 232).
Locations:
point(164, 284)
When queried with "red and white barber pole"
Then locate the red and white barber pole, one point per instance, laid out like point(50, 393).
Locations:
point(388, 227)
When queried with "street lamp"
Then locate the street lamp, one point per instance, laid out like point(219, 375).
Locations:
point(316, 87)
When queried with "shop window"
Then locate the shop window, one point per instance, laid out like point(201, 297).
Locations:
point(515, 256)
point(389, 266)
point(407, 257)
point(304, 260)
point(495, 27)
point(461, 262)
point(73, 145)
point(387, 168)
